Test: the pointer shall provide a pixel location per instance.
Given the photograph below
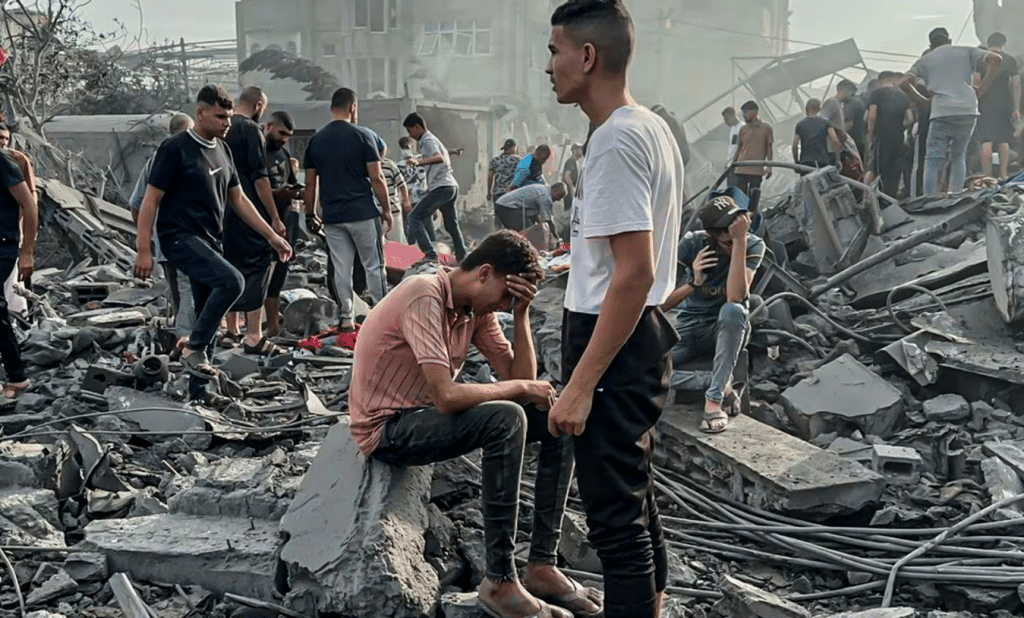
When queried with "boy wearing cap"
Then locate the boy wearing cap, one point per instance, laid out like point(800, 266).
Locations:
point(722, 260)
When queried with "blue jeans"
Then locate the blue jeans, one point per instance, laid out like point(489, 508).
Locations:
point(948, 138)
point(443, 199)
point(216, 285)
point(501, 429)
point(723, 335)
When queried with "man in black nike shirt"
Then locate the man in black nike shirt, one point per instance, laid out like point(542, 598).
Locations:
point(192, 181)
point(243, 246)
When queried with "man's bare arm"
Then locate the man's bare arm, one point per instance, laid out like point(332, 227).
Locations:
point(908, 86)
point(29, 216)
point(309, 195)
point(1015, 91)
point(872, 120)
point(992, 62)
point(796, 149)
point(677, 296)
point(451, 397)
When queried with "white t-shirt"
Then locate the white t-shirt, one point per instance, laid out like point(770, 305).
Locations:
point(632, 181)
point(734, 141)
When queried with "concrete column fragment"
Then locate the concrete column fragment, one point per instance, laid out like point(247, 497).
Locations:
point(356, 536)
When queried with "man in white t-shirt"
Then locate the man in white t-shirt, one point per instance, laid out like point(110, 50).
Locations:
point(616, 342)
point(735, 124)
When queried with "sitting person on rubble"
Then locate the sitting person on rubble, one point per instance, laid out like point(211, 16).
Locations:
point(407, 409)
point(723, 259)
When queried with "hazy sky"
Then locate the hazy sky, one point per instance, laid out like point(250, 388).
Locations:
point(890, 25)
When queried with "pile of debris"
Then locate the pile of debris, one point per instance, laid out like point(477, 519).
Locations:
point(881, 462)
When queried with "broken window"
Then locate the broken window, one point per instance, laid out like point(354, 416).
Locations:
point(330, 50)
point(362, 19)
point(393, 15)
point(463, 38)
point(377, 15)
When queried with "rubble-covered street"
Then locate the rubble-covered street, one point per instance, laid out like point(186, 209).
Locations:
point(881, 462)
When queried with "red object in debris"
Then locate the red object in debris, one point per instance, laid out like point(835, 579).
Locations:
point(3, 56)
point(399, 256)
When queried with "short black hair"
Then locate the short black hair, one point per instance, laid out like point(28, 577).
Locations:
point(284, 119)
point(847, 85)
point(997, 39)
point(343, 98)
point(214, 96)
point(813, 104)
point(4, 127)
point(414, 120)
point(543, 148)
point(605, 24)
point(884, 75)
point(251, 95)
point(729, 111)
point(405, 142)
point(508, 252)
point(558, 186)
point(750, 106)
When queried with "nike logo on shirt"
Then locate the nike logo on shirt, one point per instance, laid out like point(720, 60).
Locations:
point(212, 172)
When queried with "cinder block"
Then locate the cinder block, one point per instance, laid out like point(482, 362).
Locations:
point(898, 464)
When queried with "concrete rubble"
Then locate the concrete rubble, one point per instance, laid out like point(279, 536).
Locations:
point(879, 418)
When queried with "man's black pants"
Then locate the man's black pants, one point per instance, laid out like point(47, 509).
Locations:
point(14, 366)
point(613, 460)
point(747, 183)
point(889, 163)
point(501, 429)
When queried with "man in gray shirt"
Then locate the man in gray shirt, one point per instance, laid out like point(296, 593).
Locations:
point(526, 206)
point(442, 190)
point(946, 73)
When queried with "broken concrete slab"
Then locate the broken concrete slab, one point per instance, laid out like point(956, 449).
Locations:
point(152, 412)
point(1002, 483)
point(746, 601)
point(359, 504)
point(84, 567)
point(844, 396)
point(221, 554)
point(948, 408)
point(29, 517)
point(1010, 454)
point(1004, 250)
point(764, 467)
point(59, 585)
point(575, 547)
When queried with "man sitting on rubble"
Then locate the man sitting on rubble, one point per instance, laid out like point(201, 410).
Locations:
point(407, 409)
point(713, 319)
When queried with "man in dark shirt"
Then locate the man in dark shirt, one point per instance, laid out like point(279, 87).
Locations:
point(285, 188)
point(244, 247)
point(18, 212)
point(571, 175)
point(192, 181)
point(855, 112)
point(999, 106)
point(347, 163)
point(889, 117)
point(814, 136)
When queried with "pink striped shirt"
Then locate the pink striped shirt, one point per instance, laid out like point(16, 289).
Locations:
point(416, 324)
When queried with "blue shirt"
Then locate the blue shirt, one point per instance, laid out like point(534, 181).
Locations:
point(528, 172)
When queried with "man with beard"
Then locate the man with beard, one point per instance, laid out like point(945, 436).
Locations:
point(247, 251)
point(285, 188)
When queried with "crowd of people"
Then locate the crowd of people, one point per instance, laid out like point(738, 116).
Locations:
point(955, 112)
point(222, 202)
